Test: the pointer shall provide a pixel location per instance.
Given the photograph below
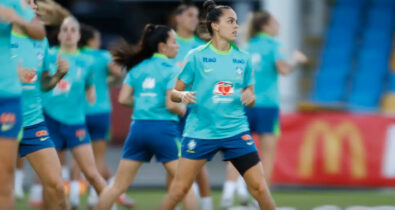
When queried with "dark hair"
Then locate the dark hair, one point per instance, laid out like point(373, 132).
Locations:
point(259, 19)
point(87, 33)
point(185, 4)
point(214, 12)
point(130, 56)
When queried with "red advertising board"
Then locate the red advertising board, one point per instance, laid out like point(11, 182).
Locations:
point(335, 149)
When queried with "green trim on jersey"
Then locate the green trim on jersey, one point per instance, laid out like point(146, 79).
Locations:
point(20, 35)
point(159, 55)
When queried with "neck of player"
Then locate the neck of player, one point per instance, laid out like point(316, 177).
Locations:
point(68, 48)
point(220, 44)
point(184, 33)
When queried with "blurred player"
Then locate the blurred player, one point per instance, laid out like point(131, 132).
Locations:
point(222, 82)
point(36, 143)
point(12, 13)
point(147, 88)
point(64, 105)
point(187, 20)
point(98, 115)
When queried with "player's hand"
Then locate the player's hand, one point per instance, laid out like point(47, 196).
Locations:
point(63, 65)
point(188, 97)
point(299, 57)
point(26, 75)
point(248, 97)
point(7, 15)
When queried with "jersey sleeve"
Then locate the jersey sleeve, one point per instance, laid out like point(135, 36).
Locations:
point(128, 79)
point(107, 59)
point(188, 71)
point(46, 62)
point(172, 78)
point(91, 73)
point(279, 53)
point(249, 77)
point(23, 10)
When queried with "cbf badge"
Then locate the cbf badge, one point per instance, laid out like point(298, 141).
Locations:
point(191, 146)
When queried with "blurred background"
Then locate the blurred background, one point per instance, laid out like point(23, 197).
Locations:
point(338, 131)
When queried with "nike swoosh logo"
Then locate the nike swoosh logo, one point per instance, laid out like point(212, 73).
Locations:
point(208, 70)
point(250, 143)
point(43, 138)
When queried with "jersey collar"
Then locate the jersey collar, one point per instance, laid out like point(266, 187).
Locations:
point(20, 35)
point(219, 52)
point(159, 55)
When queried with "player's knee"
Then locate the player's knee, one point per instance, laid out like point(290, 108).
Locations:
point(55, 186)
point(178, 191)
point(92, 176)
point(6, 180)
point(258, 188)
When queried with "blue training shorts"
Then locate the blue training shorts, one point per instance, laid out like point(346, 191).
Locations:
point(232, 147)
point(99, 126)
point(148, 138)
point(66, 136)
point(35, 137)
point(264, 120)
point(11, 118)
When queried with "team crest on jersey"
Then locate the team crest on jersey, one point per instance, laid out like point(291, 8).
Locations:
point(40, 56)
point(191, 146)
point(7, 121)
point(239, 70)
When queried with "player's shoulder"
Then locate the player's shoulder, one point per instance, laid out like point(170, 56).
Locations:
point(239, 52)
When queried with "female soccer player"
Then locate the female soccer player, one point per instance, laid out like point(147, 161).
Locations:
point(36, 143)
point(98, 115)
point(222, 83)
point(64, 105)
point(187, 20)
point(268, 61)
point(12, 12)
point(147, 89)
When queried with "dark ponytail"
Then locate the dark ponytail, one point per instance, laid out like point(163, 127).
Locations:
point(213, 13)
point(130, 56)
point(259, 19)
point(87, 33)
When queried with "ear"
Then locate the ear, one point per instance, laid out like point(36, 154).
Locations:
point(215, 26)
point(178, 18)
point(161, 47)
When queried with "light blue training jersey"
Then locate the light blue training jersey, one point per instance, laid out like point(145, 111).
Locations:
point(11, 86)
point(150, 80)
point(265, 52)
point(101, 59)
point(30, 54)
point(218, 78)
point(186, 45)
point(66, 102)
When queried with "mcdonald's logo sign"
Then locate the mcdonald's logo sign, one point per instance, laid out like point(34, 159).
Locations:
point(333, 138)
